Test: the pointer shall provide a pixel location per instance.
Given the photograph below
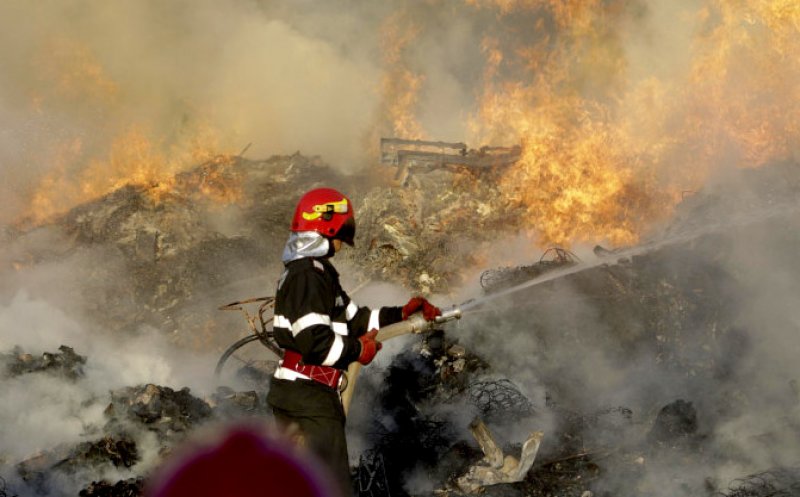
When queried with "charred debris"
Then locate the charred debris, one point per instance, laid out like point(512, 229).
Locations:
point(447, 417)
point(133, 417)
point(64, 363)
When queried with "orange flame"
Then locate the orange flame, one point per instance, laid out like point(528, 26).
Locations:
point(134, 159)
point(400, 85)
point(604, 155)
point(91, 164)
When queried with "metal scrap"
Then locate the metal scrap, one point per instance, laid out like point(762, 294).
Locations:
point(370, 477)
point(413, 156)
point(493, 280)
point(260, 327)
point(777, 482)
point(500, 398)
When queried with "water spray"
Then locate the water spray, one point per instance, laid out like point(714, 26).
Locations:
point(752, 216)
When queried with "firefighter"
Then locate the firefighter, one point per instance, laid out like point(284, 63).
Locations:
point(322, 330)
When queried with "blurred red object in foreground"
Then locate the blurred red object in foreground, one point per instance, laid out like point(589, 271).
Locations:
point(244, 463)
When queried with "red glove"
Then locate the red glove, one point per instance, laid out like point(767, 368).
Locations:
point(429, 311)
point(369, 347)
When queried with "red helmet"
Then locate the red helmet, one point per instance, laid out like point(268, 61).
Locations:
point(328, 212)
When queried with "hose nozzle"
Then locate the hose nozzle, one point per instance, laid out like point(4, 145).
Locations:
point(449, 315)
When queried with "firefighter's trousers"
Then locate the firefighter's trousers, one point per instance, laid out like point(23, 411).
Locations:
point(317, 411)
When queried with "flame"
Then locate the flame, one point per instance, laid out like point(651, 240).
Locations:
point(45, 200)
point(605, 156)
point(745, 79)
point(134, 158)
point(88, 163)
point(216, 180)
point(400, 85)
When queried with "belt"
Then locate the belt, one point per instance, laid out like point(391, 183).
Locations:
point(328, 376)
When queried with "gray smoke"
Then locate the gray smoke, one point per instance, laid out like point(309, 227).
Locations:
point(729, 347)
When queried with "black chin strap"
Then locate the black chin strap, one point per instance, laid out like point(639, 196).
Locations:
point(331, 249)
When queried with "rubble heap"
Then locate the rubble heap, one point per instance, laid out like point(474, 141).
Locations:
point(168, 257)
point(64, 363)
point(131, 415)
point(160, 409)
point(668, 312)
point(132, 487)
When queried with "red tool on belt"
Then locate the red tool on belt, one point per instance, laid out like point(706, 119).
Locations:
point(322, 374)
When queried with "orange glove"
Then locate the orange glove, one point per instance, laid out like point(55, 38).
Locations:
point(369, 347)
point(429, 311)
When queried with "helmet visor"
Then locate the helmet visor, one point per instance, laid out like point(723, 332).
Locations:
point(347, 232)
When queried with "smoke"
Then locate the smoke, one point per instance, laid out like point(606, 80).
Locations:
point(766, 379)
point(83, 78)
point(42, 412)
point(93, 94)
point(37, 326)
point(709, 320)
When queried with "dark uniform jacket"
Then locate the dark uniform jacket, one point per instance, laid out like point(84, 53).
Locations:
point(316, 318)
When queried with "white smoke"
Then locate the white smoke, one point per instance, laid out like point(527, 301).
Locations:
point(40, 412)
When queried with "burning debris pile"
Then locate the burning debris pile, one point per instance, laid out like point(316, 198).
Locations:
point(586, 384)
point(156, 254)
point(664, 365)
point(165, 255)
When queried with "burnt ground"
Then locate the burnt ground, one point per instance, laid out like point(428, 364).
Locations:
point(663, 369)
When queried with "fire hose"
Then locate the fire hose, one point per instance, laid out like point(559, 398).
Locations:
point(415, 324)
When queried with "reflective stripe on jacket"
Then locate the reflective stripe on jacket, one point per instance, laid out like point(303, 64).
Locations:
point(316, 318)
